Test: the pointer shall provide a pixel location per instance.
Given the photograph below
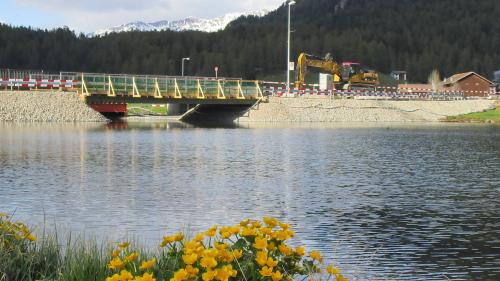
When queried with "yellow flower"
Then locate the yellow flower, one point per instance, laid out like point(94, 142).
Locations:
point(301, 251)
point(285, 250)
point(248, 231)
point(225, 256)
point(271, 263)
point(271, 222)
point(115, 277)
point(145, 265)
point(316, 255)
point(341, 277)
point(225, 272)
point(178, 237)
point(146, 277)
point(266, 271)
point(284, 226)
point(167, 240)
point(124, 245)
point(116, 253)
point(261, 258)
point(190, 259)
point(271, 246)
point(276, 276)
point(256, 224)
point(199, 237)
point(192, 247)
point(234, 229)
point(260, 243)
point(193, 271)
point(180, 275)
point(132, 257)
point(244, 222)
point(31, 237)
point(208, 262)
point(125, 275)
point(221, 246)
point(116, 264)
point(209, 275)
point(266, 230)
point(237, 254)
point(283, 235)
point(332, 270)
point(212, 231)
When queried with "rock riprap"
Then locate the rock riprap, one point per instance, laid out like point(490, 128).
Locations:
point(326, 109)
point(45, 106)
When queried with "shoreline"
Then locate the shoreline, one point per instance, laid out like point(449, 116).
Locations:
point(354, 110)
point(64, 107)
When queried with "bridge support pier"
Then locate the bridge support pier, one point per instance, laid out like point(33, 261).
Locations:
point(176, 109)
point(110, 109)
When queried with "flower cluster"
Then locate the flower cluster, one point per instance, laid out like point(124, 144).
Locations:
point(250, 250)
point(13, 233)
point(127, 266)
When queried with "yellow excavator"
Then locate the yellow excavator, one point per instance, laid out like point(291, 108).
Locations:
point(347, 76)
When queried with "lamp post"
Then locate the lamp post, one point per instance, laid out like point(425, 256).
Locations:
point(290, 3)
point(184, 59)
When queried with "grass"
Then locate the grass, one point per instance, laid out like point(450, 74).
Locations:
point(146, 109)
point(488, 116)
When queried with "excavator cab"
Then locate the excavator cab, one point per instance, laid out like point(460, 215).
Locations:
point(350, 69)
point(358, 75)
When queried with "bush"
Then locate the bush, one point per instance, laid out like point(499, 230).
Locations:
point(249, 251)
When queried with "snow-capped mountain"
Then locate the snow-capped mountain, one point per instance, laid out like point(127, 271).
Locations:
point(190, 23)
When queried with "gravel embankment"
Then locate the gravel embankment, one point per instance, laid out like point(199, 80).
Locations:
point(46, 106)
point(348, 110)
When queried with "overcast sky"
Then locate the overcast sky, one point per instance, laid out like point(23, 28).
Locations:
point(90, 15)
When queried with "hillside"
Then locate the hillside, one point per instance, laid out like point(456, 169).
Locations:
point(412, 35)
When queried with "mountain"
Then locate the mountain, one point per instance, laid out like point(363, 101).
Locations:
point(190, 23)
point(414, 35)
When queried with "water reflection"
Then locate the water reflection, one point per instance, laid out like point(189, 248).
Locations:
point(408, 202)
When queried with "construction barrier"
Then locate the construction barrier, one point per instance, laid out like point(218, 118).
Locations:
point(394, 93)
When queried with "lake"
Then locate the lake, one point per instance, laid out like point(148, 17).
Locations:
point(384, 202)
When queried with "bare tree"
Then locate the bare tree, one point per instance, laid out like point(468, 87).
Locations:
point(435, 80)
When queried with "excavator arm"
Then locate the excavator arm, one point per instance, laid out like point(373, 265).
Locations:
point(305, 61)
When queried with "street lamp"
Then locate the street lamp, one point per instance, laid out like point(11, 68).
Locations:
point(290, 3)
point(184, 59)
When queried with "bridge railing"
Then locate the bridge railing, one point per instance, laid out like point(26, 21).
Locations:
point(168, 87)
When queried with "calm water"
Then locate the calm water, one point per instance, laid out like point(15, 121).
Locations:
point(384, 203)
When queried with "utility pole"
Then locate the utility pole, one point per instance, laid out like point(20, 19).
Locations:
point(288, 47)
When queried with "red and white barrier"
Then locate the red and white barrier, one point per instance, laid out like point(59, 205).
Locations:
point(38, 83)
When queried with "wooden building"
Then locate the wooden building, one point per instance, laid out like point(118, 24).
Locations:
point(470, 83)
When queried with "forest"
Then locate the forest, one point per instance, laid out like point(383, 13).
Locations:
point(413, 35)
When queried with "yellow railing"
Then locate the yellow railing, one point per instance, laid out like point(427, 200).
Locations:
point(161, 87)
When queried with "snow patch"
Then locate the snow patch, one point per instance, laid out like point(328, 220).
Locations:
point(190, 23)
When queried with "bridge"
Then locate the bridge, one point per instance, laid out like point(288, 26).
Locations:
point(167, 89)
point(110, 93)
